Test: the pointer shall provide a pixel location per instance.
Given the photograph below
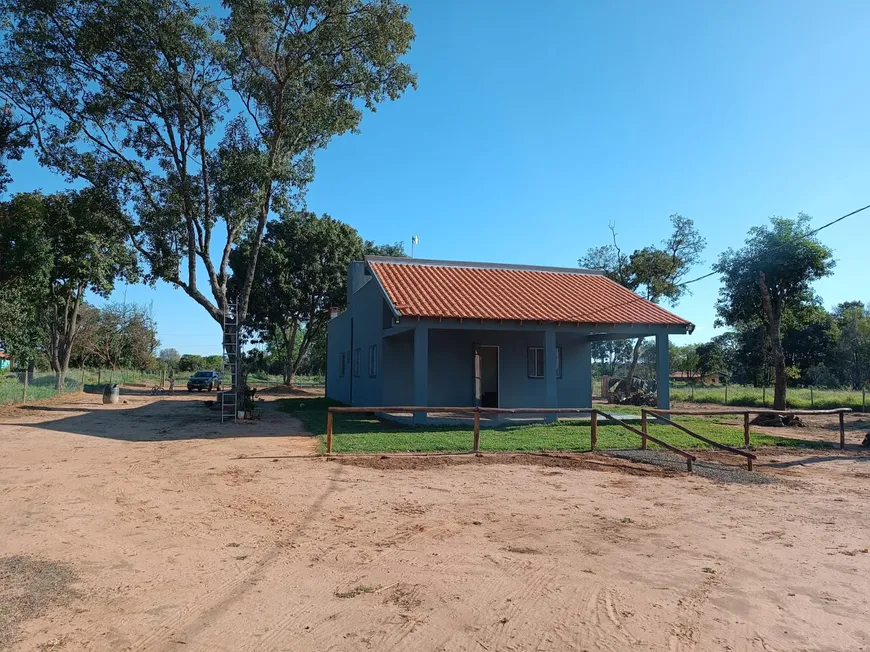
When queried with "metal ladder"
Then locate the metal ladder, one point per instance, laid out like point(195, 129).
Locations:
point(230, 346)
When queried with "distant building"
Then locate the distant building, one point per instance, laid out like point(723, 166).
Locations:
point(695, 377)
point(442, 333)
point(5, 361)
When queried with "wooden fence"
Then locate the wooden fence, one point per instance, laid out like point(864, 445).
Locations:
point(840, 412)
point(477, 411)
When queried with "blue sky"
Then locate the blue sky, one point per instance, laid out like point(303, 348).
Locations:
point(531, 130)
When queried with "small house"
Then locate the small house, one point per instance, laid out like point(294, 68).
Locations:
point(696, 377)
point(457, 334)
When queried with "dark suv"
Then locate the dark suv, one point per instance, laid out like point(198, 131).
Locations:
point(201, 380)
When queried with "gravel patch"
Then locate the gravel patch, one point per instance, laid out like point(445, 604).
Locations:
point(29, 588)
point(711, 470)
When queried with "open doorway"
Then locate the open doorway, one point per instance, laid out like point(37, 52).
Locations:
point(486, 375)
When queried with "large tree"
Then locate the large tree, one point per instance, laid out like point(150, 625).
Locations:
point(301, 275)
point(118, 335)
point(135, 94)
point(654, 272)
point(79, 248)
point(770, 279)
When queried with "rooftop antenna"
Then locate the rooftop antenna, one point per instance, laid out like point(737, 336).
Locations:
point(414, 241)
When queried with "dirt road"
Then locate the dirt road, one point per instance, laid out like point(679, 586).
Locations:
point(182, 534)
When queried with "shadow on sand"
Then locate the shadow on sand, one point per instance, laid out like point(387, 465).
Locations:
point(161, 420)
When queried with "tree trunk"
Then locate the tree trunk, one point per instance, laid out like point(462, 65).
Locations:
point(625, 385)
point(774, 321)
point(289, 345)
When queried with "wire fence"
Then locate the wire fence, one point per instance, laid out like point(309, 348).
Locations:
point(802, 398)
point(18, 386)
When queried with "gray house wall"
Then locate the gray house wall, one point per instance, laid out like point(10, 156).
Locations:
point(357, 328)
point(338, 342)
point(451, 368)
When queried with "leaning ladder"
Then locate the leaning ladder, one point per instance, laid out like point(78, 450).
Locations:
point(229, 393)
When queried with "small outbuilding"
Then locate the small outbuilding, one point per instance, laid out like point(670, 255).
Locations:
point(441, 333)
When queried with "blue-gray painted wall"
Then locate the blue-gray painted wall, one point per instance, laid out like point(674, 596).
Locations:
point(356, 329)
point(449, 357)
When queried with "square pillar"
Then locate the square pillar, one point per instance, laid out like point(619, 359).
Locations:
point(421, 370)
point(584, 388)
point(663, 371)
point(552, 396)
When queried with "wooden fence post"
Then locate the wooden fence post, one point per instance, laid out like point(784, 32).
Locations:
point(329, 432)
point(643, 427)
point(100, 376)
point(476, 430)
point(163, 377)
point(83, 376)
point(746, 429)
point(842, 431)
point(812, 399)
point(594, 416)
point(726, 392)
point(26, 375)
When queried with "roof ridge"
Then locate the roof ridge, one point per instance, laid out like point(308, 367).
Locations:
point(427, 262)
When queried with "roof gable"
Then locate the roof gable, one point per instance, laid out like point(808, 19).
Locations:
point(424, 288)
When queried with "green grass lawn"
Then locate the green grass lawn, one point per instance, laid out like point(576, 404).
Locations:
point(798, 398)
point(363, 433)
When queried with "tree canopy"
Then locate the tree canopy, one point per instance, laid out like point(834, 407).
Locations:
point(770, 280)
point(302, 274)
point(134, 96)
point(60, 246)
point(654, 272)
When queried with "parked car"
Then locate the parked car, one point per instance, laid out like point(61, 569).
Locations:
point(208, 380)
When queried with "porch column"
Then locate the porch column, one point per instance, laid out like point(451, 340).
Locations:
point(421, 370)
point(552, 396)
point(663, 371)
point(585, 385)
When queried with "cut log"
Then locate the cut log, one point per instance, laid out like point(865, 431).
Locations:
point(778, 421)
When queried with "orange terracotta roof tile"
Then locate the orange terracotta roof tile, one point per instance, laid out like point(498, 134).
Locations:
point(487, 291)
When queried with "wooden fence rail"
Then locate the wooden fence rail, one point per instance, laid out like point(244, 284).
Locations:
point(840, 412)
point(477, 411)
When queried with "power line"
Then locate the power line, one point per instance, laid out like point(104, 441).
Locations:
point(714, 272)
point(808, 234)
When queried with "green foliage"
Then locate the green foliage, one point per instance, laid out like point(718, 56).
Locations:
point(214, 362)
point(168, 358)
point(133, 95)
point(301, 274)
point(116, 335)
point(191, 362)
point(655, 273)
point(59, 246)
point(395, 250)
point(790, 263)
point(13, 139)
point(769, 282)
point(710, 358)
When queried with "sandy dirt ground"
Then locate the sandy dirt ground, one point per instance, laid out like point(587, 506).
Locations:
point(183, 534)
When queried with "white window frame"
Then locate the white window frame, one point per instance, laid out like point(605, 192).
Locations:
point(538, 352)
point(356, 355)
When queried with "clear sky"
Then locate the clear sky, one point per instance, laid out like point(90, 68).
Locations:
point(531, 130)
